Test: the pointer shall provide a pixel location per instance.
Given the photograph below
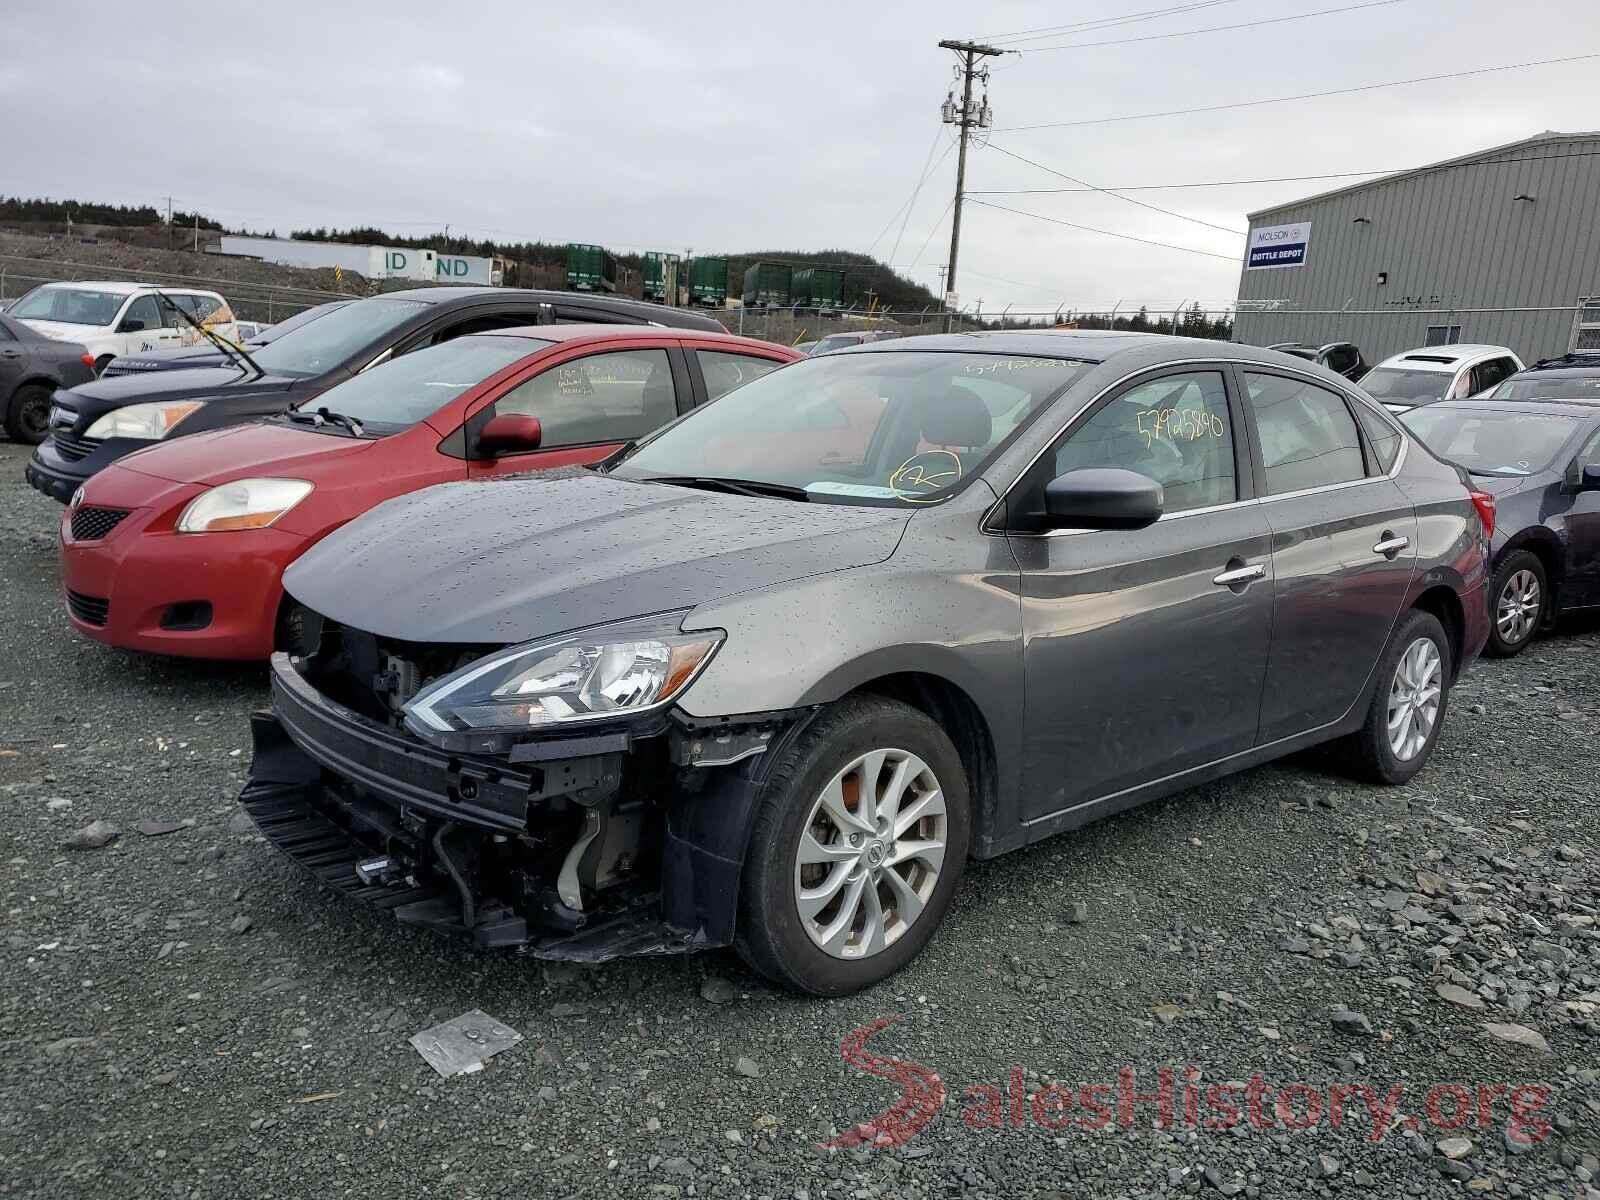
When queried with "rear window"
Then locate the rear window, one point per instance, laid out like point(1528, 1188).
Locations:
point(1492, 441)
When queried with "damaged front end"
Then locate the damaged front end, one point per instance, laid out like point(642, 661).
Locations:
point(583, 840)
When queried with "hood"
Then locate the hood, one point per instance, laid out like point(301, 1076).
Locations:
point(243, 451)
point(62, 331)
point(115, 392)
point(507, 561)
point(166, 360)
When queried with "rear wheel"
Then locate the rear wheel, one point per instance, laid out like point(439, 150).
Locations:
point(1519, 600)
point(28, 415)
point(1409, 703)
point(859, 843)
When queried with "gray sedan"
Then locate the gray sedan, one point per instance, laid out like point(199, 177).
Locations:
point(772, 677)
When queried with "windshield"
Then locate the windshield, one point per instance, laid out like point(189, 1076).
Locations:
point(1536, 387)
point(399, 393)
point(271, 333)
point(888, 428)
point(329, 341)
point(1406, 387)
point(1492, 441)
point(69, 305)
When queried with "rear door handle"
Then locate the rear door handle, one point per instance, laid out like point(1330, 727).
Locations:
point(1238, 575)
point(1391, 545)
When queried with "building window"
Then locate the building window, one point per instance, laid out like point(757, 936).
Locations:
point(1586, 336)
point(1443, 335)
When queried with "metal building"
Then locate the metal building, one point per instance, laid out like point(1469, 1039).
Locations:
point(1500, 247)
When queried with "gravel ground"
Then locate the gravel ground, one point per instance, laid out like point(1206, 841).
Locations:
point(187, 1014)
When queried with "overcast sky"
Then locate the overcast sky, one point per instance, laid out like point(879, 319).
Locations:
point(723, 126)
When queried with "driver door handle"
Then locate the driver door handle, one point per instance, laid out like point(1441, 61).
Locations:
point(1238, 575)
point(1391, 545)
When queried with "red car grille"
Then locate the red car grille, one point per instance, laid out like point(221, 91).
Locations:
point(91, 524)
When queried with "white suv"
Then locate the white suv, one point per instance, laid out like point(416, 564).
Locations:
point(110, 319)
point(1438, 373)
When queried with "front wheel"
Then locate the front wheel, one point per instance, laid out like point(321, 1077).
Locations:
point(859, 842)
point(1409, 703)
point(1519, 597)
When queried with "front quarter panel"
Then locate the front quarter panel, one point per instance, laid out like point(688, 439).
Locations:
point(945, 604)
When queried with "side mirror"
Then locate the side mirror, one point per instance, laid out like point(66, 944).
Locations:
point(510, 433)
point(1589, 479)
point(1102, 498)
point(131, 325)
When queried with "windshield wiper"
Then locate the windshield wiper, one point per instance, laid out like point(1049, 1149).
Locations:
point(740, 487)
point(232, 352)
point(325, 416)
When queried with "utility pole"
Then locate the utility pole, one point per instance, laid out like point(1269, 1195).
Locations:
point(965, 118)
point(169, 222)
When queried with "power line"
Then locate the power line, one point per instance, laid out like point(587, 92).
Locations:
point(1127, 237)
point(1157, 37)
point(1164, 187)
point(1367, 87)
point(1149, 14)
point(910, 206)
point(936, 226)
point(1107, 192)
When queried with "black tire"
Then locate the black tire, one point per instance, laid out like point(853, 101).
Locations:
point(1369, 752)
point(772, 934)
point(101, 363)
point(1512, 576)
point(299, 630)
point(28, 414)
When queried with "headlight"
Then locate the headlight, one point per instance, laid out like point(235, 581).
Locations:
point(611, 671)
point(150, 422)
point(242, 504)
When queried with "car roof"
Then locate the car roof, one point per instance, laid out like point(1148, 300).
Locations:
point(610, 330)
point(1444, 358)
point(1087, 345)
point(1538, 408)
point(120, 287)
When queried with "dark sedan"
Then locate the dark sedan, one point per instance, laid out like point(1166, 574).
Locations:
point(775, 675)
point(1342, 358)
point(1541, 461)
point(1573, 377)
point(94, 425)
point(208, 355)
point(31, 367)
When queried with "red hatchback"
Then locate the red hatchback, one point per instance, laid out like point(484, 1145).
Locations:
point(181, 548)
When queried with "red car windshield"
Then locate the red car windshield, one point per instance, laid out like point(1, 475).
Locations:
point(405, 390)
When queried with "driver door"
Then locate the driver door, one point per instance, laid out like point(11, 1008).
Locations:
point(1145, 651)
point(589, 406)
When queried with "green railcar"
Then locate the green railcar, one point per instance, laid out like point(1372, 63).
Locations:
point(817, 287)
point(590, 268)
point(767, 285)
point(662, 277)
point(708, 281)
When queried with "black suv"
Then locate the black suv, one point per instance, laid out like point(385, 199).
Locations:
point(93, 425)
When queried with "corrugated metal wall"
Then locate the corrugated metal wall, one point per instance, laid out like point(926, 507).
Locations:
point(1451, 239)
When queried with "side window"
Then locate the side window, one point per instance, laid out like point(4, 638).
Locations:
point(5, 334)
point(611, 397)
point(144, 310)
point(1492, 372)
point(724, 372)
point(1589, 456)
point(1174, 429)
point(1383, 437)
point(1308, 437)
point(200, 307)
point(1341, 359)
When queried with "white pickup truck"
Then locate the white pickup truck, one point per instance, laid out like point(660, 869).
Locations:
point(111, 319)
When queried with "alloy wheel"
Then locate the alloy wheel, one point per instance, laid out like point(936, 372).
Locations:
point(1414, 696)
point(1517, 607)
point(870, 853)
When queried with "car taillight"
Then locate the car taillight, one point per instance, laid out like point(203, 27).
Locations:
point(1484, 503)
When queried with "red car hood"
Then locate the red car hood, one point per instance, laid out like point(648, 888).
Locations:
point(242, 451)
